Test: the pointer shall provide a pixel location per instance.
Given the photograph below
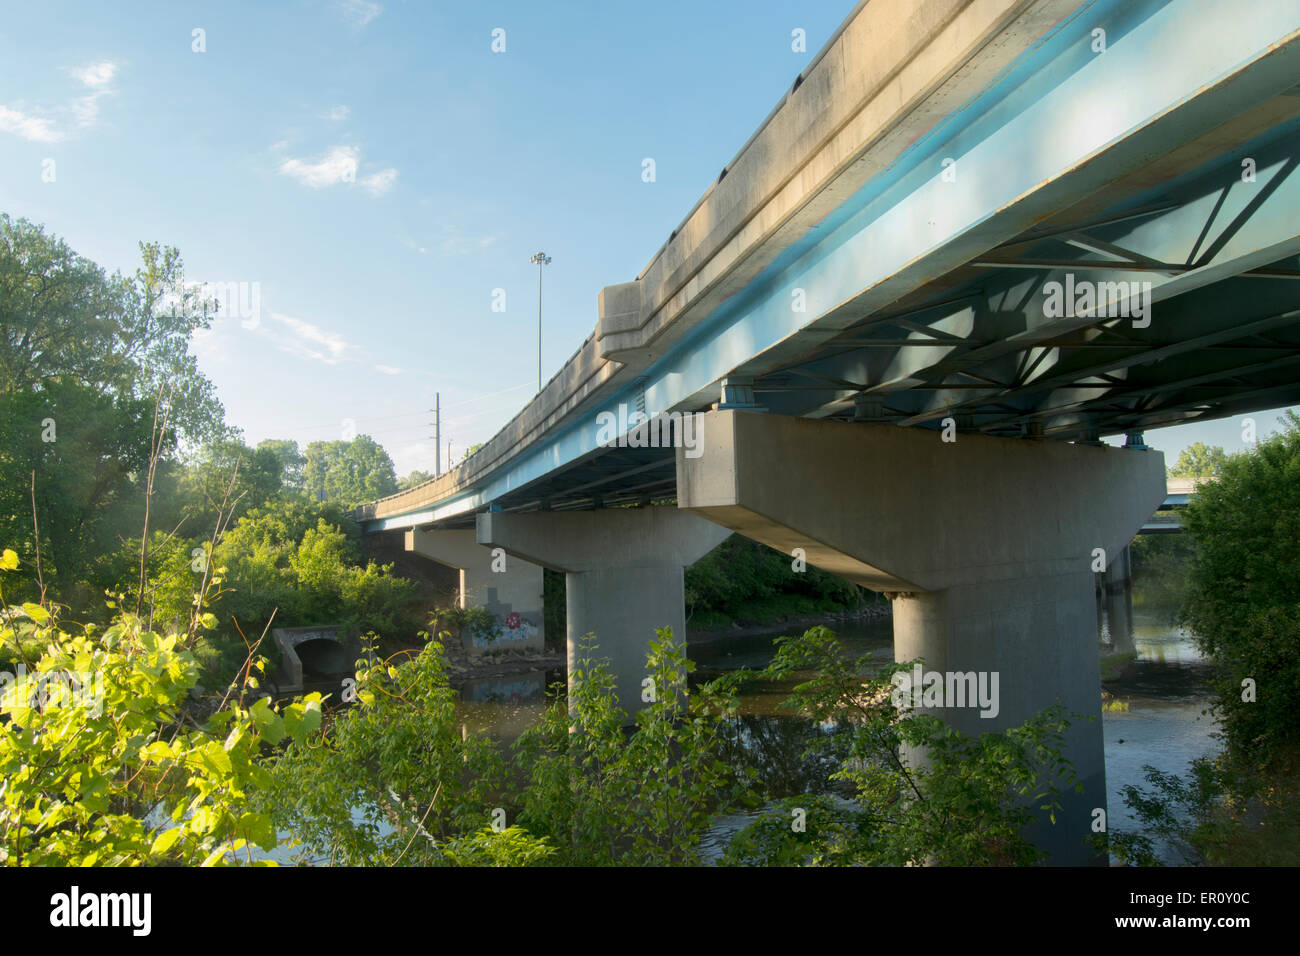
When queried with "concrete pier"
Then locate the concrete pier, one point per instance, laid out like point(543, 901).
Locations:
point(623, 575)
point(510, 588)
point(986, 544)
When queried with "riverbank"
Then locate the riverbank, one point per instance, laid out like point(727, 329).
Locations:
point(464, 666)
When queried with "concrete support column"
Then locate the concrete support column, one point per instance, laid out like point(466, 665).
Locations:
point(623, 575)
point(987, 544)
point(622, 606)
point(510, 588)
point(1033, 641)
point(1118, 594)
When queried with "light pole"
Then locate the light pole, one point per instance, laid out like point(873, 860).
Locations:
point(542, 259)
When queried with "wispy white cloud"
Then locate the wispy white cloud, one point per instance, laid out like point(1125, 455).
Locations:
point(454, 243)
point(95, 75)
point(339, 165)
point(37, 129)
point(85, 109)
point(309, 341)
point(81, 111)
point(379, 183)
point(99, 78)
point(359, 12)
point(388, 369)
point(336, 113)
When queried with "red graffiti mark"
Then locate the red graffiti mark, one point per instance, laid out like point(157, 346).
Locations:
point(513, 621)
point(516, 699)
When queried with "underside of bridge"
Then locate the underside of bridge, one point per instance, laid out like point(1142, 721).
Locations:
point(1203, 319)
point(972, 241)
point(1138, 308)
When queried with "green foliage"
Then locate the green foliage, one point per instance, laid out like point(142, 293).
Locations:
point(348, 472)
point(300, 561)
point(98, 442)
point(1244, 606)
point(1176, 810)
point(225, 470)
point(740, 577)
point(62, 318)
point(291, 461)
point(481, 623)
point(967, 805)
point(396, 780)
point(416, 477)
point(118, 773)
point(1199, 460)
point(1162, 571)
point(513, 846)
point(604, 796)
point(292, 558)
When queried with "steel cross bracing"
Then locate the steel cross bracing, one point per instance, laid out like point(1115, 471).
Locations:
point(1223, 333)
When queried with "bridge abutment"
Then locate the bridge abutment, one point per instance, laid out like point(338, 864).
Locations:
point(986, 543)
point(511, 589)
point(623, 575)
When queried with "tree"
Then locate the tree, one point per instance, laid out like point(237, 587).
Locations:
point(291, 461)
point(301, 561)
point(416, 477)
point(349, 472)
point(59, 313)
point(204, 483)
point(1199, 460)
point(1244, 606)
point(83, 447)
point(62, 317)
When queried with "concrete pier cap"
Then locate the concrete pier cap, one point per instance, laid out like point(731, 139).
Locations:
point(623, 575)
point(987, 544)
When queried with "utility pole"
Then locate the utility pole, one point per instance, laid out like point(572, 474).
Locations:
point(542, 259)
point(437, 434)
point(449, 453)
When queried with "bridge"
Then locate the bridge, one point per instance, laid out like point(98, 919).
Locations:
point(1168, 520)
point(972, 240)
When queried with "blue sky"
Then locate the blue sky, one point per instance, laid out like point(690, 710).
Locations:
point(378, 171)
